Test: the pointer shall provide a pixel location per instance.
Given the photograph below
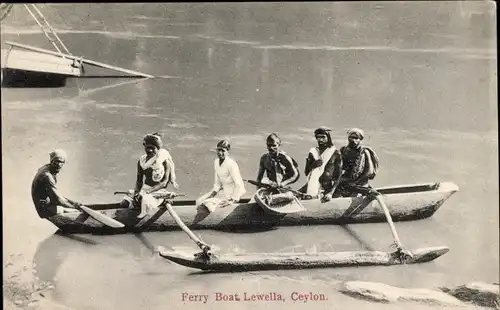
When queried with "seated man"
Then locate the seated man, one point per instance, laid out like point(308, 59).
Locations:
point(323, 164)
point(279, 167)
point(46, 198)
point(228, 186)
point(155, 170)
point(359, 164)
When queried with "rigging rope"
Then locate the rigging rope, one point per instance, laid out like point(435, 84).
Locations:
point(5, 9)
point(43, 29)
point(51, 29)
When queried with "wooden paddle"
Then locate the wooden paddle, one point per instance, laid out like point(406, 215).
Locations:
point(106, 220)
point(166, 196)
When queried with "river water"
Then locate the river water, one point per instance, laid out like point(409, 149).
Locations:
point(419, 78)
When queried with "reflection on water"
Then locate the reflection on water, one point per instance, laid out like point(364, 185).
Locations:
point(112, 261)
point(420, 78)
point(53, 251)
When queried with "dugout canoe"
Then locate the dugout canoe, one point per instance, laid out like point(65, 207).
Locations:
point(405, 203)
point(279, 261)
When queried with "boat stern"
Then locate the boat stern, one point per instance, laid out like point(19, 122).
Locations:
point(448, 187)
point(196, 263)
point(444, 190)
point(424, 255)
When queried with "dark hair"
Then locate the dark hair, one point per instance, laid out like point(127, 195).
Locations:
point(224, 144)
point(322, 131)
point(153, 139)
point(273, 138)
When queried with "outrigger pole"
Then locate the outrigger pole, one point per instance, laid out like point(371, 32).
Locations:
point(400, 251)
point(87, 61)
point(206, 250)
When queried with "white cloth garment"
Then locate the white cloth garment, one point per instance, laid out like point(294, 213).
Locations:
point(156, 164)
point(228, 179)
point(228, 185)
point(150, 202)
point(213, 203)
point(313, 185)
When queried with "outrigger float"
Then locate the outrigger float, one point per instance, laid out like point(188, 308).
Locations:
point(21, 63)
point(208, 261)
point(404, 203)
point(274, 261)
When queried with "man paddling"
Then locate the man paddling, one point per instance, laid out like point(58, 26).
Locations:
point(46, 198)
point(323, 164)
point(359, 164)
point(155, 170)
point(279, 167)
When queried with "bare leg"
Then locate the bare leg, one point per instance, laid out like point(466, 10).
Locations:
point(144, 209)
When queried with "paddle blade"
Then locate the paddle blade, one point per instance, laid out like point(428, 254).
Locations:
point(106, 220)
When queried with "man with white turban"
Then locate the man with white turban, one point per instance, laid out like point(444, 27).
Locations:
point(46, 198)
point(359, 165)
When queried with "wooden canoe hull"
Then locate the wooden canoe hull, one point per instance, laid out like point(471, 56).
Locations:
point(31, 61)
point(405, 203)
point(31, 69)
point(278, 261)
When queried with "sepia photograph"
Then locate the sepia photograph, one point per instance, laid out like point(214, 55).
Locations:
point(250, 155)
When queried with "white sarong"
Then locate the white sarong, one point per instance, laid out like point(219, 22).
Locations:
point(313, 185)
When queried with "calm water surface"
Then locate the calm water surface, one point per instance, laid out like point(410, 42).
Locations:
point(420, 78)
